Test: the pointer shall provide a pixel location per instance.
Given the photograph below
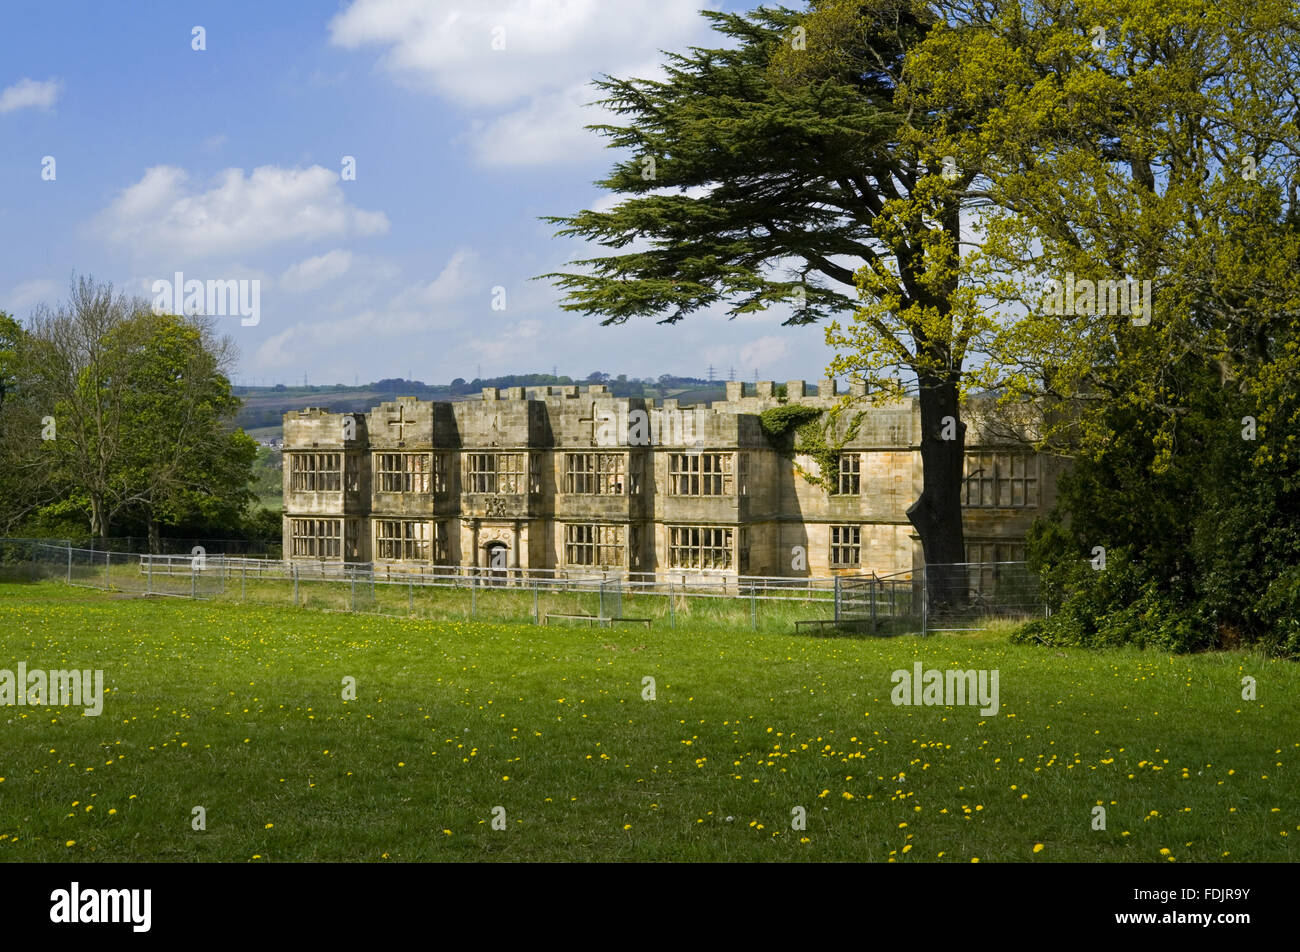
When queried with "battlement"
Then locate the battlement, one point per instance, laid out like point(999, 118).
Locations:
point(566, 391)
point(764, 393)
point(746, 397)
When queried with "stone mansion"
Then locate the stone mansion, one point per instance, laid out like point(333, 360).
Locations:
point(574, 480)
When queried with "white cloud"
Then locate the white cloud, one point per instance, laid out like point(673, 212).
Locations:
point(272, 205)
point(29, 293)
point(551, 128)
point(448, 45)
point(27, 93)
point(514, 344)
point(312, 273)
point(409, 315)
point(762, 353)
point(535, 87)
point(454, 281)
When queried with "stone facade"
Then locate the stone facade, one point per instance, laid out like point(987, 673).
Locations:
point(576, 481)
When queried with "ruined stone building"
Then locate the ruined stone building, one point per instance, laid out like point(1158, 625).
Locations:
point(574, 480)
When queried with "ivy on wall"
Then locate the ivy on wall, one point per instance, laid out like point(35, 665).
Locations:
point(798, 430)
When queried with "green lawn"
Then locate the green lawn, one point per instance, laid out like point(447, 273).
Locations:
point(237, 708)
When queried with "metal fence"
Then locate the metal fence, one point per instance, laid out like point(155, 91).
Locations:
point(944, 598)
point(951, 597)
point(962, 597)
point(253, 548)
point(29, 559)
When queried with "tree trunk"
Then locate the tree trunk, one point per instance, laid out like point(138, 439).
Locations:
point(155, 545)
point(936, 514)
point(98, 522)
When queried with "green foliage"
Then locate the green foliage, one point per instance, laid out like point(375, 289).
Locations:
point(819, 440)
point(1165, 152)
point(11, 338)
point(268, 477)
point(264, 524)
point(179, 454)
point(1122, 604)
point(1201, 537)
point(143, 410)
point(800, 430)
point(779, 423)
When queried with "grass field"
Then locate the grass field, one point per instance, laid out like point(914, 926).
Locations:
point(239, 709)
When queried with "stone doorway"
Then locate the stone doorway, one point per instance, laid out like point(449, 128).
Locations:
point(497, 561)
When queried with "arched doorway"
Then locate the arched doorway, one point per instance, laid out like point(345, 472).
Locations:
point(497, 562)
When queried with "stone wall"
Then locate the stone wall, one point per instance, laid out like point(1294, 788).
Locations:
point(787, 520)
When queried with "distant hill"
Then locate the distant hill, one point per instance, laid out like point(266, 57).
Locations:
point(264, 407)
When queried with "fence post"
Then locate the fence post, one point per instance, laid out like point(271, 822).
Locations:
point(473, 596)
point(295, 585)
point(837, 599)
point(753, 608)
point(194, 588)
point(243, 583)
point(925, 599)
point(672, 610)
point(108, 582)
point(537, 618)
point(352, 598)
point(69, 562)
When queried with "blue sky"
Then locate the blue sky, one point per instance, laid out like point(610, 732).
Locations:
point(224, 163)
